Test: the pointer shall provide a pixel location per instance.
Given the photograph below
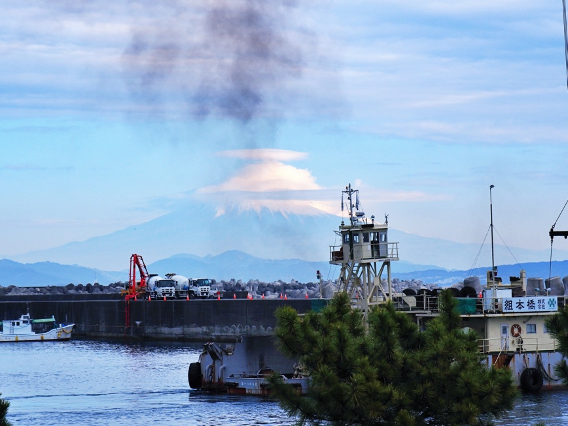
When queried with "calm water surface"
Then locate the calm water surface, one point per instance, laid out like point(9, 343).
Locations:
point(108, 383)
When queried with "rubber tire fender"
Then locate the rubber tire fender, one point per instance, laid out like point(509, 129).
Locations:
point(194, 375)
point(531, 380)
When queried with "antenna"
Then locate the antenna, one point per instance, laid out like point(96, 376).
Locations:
point(349, 192)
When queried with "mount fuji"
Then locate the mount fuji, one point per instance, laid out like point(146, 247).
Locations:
point(200, 229)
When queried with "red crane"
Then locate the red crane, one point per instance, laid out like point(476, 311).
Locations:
point(136, 288)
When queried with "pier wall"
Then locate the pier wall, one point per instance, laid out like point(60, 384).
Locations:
point(212, 320)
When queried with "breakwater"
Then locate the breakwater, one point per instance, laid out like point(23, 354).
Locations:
point(109, 316)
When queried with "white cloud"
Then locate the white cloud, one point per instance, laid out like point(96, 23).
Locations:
point(399, 64)
point(278, 187)
point(268, 183)
point(450, 7)
point(372, 195)
point(267, 176)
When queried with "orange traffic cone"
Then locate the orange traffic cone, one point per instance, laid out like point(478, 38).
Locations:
point(218, 297)
point(306, 295)
point(285, 297)
point(164, 298)
point(187, 297)
point(135, 299)
point(149, 298)
point(234, 295)
point(263, 295)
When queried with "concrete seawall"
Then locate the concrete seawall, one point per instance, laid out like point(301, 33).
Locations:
point(172, 319)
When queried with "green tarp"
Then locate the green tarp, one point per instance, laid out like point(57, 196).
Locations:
point(319, 304)
point(466, 306)
point(36, 321)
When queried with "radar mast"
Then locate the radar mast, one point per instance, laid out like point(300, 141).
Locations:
point(365, 254)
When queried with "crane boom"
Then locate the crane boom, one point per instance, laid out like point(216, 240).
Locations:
point(134, 288)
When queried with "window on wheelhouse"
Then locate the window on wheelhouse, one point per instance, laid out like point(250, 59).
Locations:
point(42, 326)
point(531, 328)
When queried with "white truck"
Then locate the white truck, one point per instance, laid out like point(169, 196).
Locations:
point(181, 285)
point(199, 288)
point(159, 287)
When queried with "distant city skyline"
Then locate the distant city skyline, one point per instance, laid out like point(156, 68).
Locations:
point(116, 113)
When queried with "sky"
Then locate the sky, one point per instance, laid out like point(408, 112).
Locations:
point(114, 111)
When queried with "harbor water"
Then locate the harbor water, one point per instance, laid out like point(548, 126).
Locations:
point(106, 383)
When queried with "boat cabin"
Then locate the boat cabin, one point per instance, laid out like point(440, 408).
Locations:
point(26, 325)
point(363, 242)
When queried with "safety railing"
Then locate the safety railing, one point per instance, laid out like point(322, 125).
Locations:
point(425, 301)
point(507, 344)
point(419, 302)
point(364, 252)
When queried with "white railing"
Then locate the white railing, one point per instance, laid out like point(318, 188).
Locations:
point(363, 252)
point(488, 305)
point(420, 302)
point(517, 344)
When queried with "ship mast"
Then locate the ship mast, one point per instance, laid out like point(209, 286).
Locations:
point(350, 192)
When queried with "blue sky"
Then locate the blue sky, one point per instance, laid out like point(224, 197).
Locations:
point(111, 111)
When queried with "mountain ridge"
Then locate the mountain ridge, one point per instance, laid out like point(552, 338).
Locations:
point(238, 265)
point(197, 228)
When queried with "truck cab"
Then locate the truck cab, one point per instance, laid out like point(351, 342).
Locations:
point(200, 288)
point(159, 287)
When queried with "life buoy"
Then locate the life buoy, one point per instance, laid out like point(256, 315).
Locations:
point(531, 380)
point(516, 330)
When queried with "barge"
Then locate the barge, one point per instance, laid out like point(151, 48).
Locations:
point(242, 368)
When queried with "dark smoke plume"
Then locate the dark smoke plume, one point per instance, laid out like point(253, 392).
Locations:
point(153, 64)
point(233, 59)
